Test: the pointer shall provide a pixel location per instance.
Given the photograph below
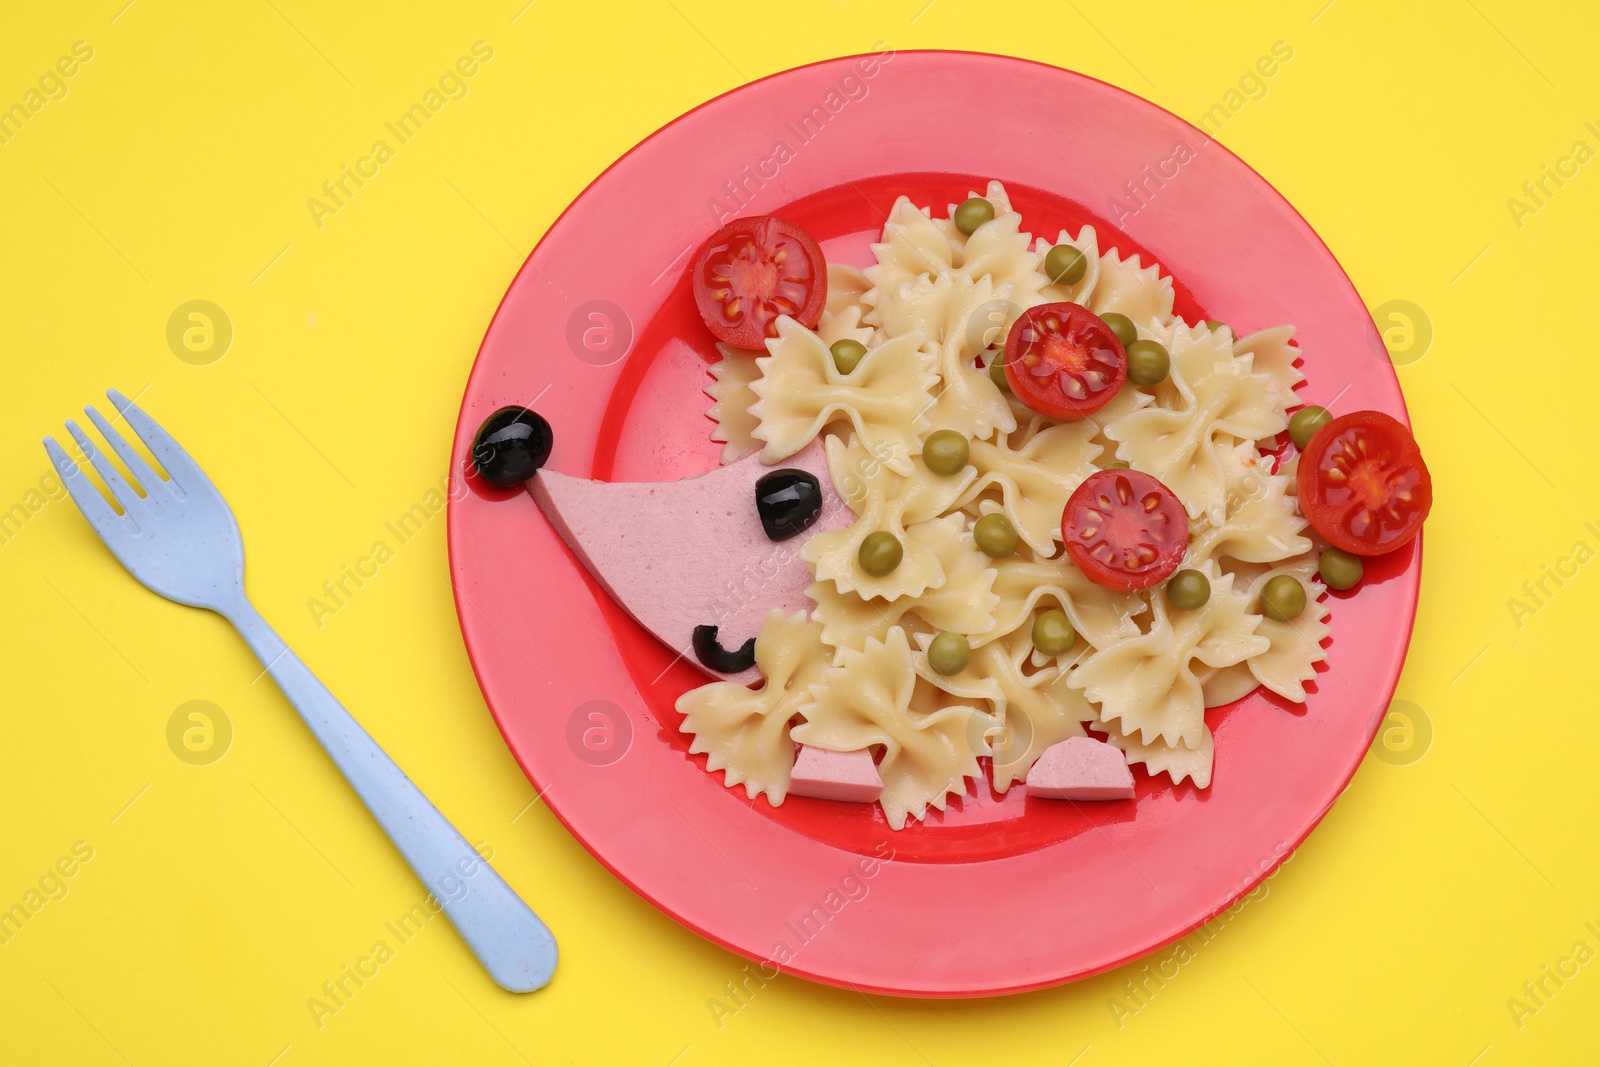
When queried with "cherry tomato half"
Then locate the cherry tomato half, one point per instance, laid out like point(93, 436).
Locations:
point(1363, 484)
point(1124, 529)
point(752, 271)
point(1062, 360)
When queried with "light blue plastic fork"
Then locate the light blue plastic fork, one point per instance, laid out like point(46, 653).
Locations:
point(180, 540)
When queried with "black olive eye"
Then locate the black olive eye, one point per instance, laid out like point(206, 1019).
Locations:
point(708, 650)
point(788, 502)
point(510, 446)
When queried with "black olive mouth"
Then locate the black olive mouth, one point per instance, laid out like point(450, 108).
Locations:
point(709, 651)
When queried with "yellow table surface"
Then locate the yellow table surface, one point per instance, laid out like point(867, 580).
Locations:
point(1442, 912)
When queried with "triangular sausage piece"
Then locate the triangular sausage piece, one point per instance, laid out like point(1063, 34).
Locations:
point(1081, 768)
point(677, 555)
point(835, 775)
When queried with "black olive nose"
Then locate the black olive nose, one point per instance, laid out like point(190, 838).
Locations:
point(788, 502)
point(709, 651)
point(511, 445)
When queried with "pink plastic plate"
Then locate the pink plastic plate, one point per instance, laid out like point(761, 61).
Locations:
point(599, 333)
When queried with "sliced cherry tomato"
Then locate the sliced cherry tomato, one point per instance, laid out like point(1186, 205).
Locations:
point(1063, 360)
point(754, 270)
point(1363, 484)
point(1124, 529)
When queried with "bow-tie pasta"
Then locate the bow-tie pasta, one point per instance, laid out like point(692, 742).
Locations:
point(1214, 401)
point(1177, 762)
point(1123, 286)
point(1088, 243)
point(1272, 354)
point(1148, 685)
point(867, 701)
point(963, 603)
point(1259, 523)
point(904, 348)
point(1033, 482)
point(801, 390)
point(884, 501)
point(1030, 712)
point(731, 378)
point(745, 732)
point(1296, 645)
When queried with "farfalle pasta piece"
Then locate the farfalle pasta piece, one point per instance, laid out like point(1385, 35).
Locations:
point(846, 286)
point(995, 193)
point(942, 309)
point(1296, 645)
point(745, 732)
point(870, 699)
point(1224, 685)
point(1272, 354)
point(1291, 470)
point(1034, 482)
point(917, 245)
point(1219, 402)
point(968, 401)
point(1123, 286)
point(842, 317)
point(998, 250)
point(1148, 684)
point(1087, 242)
point(1126, 402)
point(913, 244)
point(1030, 422)
point(801, 390)
point(731, 395)
point(846, 325)
point(963, 603)
point(997, 196)
point(953, 313)
point(1103, 617)
point(1261, 523)
point(1177, 762)
point(1031, 711)
point(883, 500)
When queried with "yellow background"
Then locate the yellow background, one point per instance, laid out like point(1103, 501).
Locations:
point(220, 897)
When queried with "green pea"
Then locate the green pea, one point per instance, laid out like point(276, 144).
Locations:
point(847, 354)
point(972, 213)
point(1148, 362)
point(1339, 569)
point(1122, 326)
point(1053, 633)
point(880, 553)
point(945, 451)
point(949, 653)
point(1213, 325)
point(1283, 598)
point(1304, 424)
point(997, 370)
point(995, 535)
point(1188, 590)
point(1065, 265)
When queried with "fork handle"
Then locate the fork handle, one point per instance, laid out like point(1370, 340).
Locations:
point(511, 942)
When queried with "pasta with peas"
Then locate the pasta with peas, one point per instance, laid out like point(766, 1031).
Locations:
point(921, 642)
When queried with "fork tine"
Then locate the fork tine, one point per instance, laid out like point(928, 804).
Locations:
point(94, 507)
point(142, 472)
point(126, 495)
point(185, 473)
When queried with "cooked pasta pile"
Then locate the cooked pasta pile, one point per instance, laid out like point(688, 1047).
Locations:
point(853, 672)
